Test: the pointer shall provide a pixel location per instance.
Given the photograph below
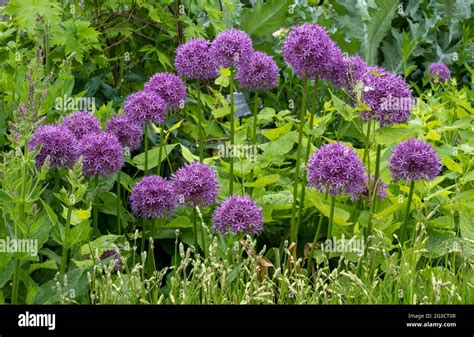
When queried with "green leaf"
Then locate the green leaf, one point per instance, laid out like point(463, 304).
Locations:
point(26, 13)
point(187, 154)
point(466, 223)
point(344, 109)
point(103, 242)
point(221, 112)
point(78, 234)
point(178, 222)
point(390, 135)
point(451, 164)
point(273, 134)
point(264, 181)
point(265, 17)
point(139, 160)
point(340, 216)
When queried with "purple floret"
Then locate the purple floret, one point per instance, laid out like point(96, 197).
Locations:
point(102, 154)
point(153, 197)
point(231, 47)
point(128, 133)
point(238, 215)
point(82, 123)
point(194, 60)
point(169, 87)
point(144, 107)
point(337, 168)
point(259, 72)
point(414, 159)
point(56, 143)
point(196, 184)
point(440, 71)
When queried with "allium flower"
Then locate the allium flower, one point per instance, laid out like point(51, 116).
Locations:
point(116, 255)
point(238, 215)
point(196, 184)
point(169, 87)
point(440, 71)
point(128, 133)
point(388, 96)
point(259, 72)
point(57, 143)
point(414, 159)
point(337, 168)
point(231, 47)
point(310, 51)
point(356, 69)
point(143, 107)
point(102, 154)
point(153, 197)
point(194, 60)
point(82, 123)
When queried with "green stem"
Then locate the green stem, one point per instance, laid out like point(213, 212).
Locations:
point(407, 213)
point(373, 196)
point(146, 149)
point(16, 282)
point(160, 151)
point(96, 209)
point(254, 134)
point(232, 132)
point(66, 248)
point(203, 238)
point(56, 181)
point(294, 222)
point(119, 229)
point(201, 127)
point(331, 216)
point(195, 229)
point(308, 150)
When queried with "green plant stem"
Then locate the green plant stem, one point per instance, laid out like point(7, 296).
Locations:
point(373, 196)
point(308, 149)
point(146, 149)
point(313, 245)
point(65, 247)
point(294, 223)
point(201, 127)
point(331, 216)
point(56, 181)
point(232, 132)
point(160, 151)
point(254, 134)
point(119, 229)
point(195, 229)
point(204, 238)
point(16, 282)
point(96, 209)
point(407, 212)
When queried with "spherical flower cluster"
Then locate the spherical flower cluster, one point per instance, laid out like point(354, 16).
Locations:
point(337, 168)
point(231, 47)
point(238, 215)
point(56, 143)
point(128, 133)
point(153, 197)
point(195, 184)
point(102, 154)
point(194, 60)
point(414, 159)
point(388, 96)
point(310, 51)
point(169, 87)
point(356, 69)
point(82, 123)
point(143, 107)
point(440, 71)
point(258, 72)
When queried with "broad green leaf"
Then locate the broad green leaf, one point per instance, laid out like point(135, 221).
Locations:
point(264, 181)
point(273, 134)
point(340, 215)
point(178, 222)
point(139, 160)
point(78, 234)
point(187, 154)
point(451, 164)
point(103, 242)
point(344, 109)
point(390, 135)
point(265, 17)
point(389, 210)
point(466, 223)
point(221, 112)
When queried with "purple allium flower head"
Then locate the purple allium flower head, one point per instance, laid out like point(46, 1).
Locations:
point(231, 47)
point(310, 51)
point(116, 255)
point(82, 123)
point(440, 70)
point(153, 197)
point(128, 133)
point(102, 154)
point(414, 159)
point(194, 60)
point(338, 168)
point(57, 143)
point(356, 69)
point(258, 72)
point(238, 215)
point(196, 184)
point(388, 96)
point(169, 87)
point(143, 107)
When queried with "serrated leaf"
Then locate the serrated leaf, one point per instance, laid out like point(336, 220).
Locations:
point(265, 17)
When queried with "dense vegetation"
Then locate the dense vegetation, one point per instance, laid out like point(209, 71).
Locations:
point(108, 229)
